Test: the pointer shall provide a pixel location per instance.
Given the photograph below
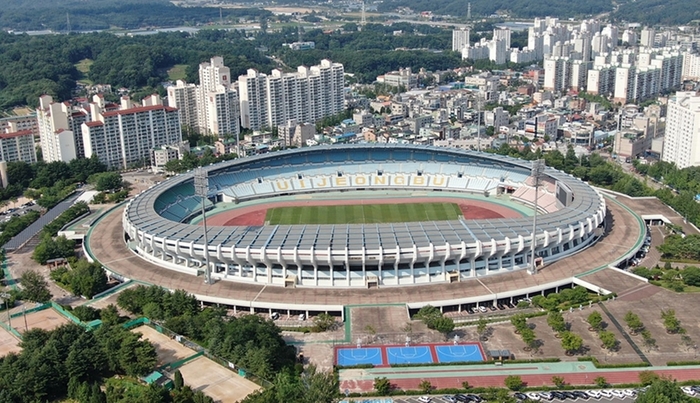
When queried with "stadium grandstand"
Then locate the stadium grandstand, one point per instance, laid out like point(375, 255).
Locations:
point(159, 222)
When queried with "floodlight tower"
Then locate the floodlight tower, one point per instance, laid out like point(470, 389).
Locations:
point(201, 189)
point(537, 171)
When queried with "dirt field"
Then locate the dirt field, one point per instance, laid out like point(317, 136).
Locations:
point(222, 384)
point(255, 215)
point(168, 349)
point(8, 343)
point(46, 319)
point(668, 346)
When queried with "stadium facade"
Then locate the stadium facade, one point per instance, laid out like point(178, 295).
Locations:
point(158, 229)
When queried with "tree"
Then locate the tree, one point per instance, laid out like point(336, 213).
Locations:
point(556, 321)
point(481, 326)
point(444, 325)
point(558, 381)
point(595, 320)
point(425, 386)
point(671, 323)
point(107, 181)
point(519, 321)
point(513, 382)
point(608, 339)
point(646, 378)
point(600, 382)
point(571, 342)
point(88, 279)
point(663, 390)
point(633, 322)
point(691, 276)
point(35, 287)
point(323, 322)
point(178, 382)
point(382, 386)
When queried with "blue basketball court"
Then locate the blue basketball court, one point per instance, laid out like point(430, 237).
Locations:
point(359, 356)
point(419, 354)
point(409, 355)
point(459, 353)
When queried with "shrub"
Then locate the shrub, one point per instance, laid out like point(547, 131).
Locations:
point(513, 382)
point(425, 386)
point(648, 377)
point(558, 381)
point(600, 382)
point(382, 385)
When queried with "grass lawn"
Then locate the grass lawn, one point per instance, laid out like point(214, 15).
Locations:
point(83, 67)
point(363, 213)
point(177, 72)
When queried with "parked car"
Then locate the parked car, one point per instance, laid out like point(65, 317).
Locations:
point(594, 394)
point(546, 395)
point(617, 393)
point(483, 309)
point(605, 393)
point(533, 396)
point(520, 395)
point(274, 315)
point(425, 399)
point(688, 390)
point(581, 394)
point(449, 399)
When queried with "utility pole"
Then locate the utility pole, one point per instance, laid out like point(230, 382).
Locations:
point(6, 297)
point(537, 171)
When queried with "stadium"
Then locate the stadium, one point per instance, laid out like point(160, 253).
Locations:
point(364, 216)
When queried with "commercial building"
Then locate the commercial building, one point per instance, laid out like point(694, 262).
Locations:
point(295, 134)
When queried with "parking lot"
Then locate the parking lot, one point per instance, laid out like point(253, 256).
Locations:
point(450, 399)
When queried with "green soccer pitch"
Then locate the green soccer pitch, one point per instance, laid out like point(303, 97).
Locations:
point(362, 213)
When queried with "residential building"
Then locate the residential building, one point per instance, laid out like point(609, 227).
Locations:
point(307, 95)
point(58, 135)
point(682, 138)
point(183, 96)
point(166, 153)
point(126, 136)
point(295, 134)
point(460, 39)
point(17, 145)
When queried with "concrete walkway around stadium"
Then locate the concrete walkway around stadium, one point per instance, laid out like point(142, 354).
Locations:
point(105, 242)
point(486, 375)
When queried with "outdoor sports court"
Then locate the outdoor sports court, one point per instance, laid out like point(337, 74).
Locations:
point(419, 354)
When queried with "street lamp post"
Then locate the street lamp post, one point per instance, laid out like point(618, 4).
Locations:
point(537, 170)
point(201, 189)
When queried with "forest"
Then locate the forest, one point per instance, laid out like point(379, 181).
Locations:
point(35, 65)
point(107, 14)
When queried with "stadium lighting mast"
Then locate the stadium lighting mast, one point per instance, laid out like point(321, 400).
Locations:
point(537, 170)
point(201, 189)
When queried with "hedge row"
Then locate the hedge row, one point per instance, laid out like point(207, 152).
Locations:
point(597, 363)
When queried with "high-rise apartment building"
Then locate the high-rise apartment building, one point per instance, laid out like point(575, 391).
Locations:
point(691, 66)
point(682, 138)
point(59, 132)
point(17, 145)
point(183, 96)
point(647, 38)
point(460, 39)
point(212, 107)
point(125, 137)
point(306, 96)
